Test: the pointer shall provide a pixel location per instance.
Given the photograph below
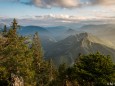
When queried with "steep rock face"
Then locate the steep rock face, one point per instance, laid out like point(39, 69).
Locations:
point(67, 50)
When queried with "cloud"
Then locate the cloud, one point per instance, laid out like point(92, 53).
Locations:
point(48, 3)
point(100, 2)
point(59, 20)
point(56, 3)
point(64, 3)
point(71, 3)
point(68, 3)
point(106, 2)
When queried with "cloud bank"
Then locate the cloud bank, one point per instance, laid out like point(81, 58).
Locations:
point(60, 20)
point(56, 3)
point(105, 2)
point(68, 3)
point(64, 3)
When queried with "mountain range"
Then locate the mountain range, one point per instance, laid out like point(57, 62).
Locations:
point(64, 44)
point(45, 36)
point(103, 31)
point(67, 50)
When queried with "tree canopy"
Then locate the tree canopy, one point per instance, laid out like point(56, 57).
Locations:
point(25, 60)
point(94, 70)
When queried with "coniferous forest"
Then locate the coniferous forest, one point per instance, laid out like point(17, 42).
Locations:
point(22, 63)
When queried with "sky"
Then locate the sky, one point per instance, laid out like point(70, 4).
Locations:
point(56, 12)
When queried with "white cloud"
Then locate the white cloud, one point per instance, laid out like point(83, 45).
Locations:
point(64, 3)
point(45, 20)
point(101, 2)
point(70, 3)
point(56, 3)
point(107, 2)
point(59, 20)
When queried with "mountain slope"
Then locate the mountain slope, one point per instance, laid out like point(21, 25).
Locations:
point(67, 50)
point(27, 30)
point(45, 35)
point(104, 31)
point(2, 25)
point(57, 31)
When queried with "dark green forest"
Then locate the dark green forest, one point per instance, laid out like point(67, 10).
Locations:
point(24, 60)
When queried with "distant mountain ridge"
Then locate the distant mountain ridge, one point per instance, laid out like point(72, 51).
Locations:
point(99, 26)
point(104, 31)
point(2, 25)
point(67, 50)
point(27, 30)
point(45, 36)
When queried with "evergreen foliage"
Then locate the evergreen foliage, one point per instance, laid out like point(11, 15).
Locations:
point(16, 56)
point(44, 70)
point(5, 28)
point(94, 70)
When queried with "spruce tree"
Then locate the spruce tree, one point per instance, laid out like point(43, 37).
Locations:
point(37, 58)
point(5, 29)
point(17, 56)
point(44, 70)
point(4, 32)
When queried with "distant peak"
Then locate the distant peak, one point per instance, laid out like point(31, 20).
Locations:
point(88, 37)
point(70, 31)
point(82, 36)
point(85, 34)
